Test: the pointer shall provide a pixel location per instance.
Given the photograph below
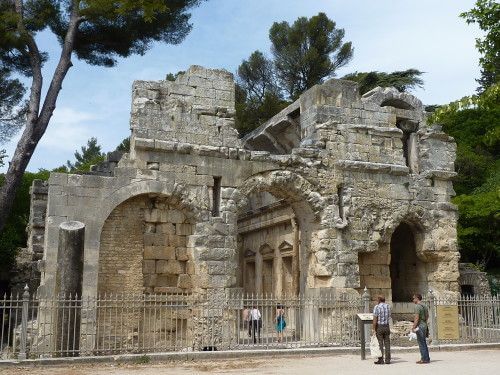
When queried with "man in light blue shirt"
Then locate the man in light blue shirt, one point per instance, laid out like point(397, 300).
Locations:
point(381, 318)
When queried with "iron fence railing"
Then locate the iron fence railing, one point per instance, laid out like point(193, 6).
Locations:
point(478, 318)
point(37, 327)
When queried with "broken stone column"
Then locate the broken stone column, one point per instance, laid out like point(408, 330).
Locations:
point(69, 287)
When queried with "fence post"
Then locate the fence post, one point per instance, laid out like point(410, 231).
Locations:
point(24, 323)
point(366, 300)
point(366, 306)
point(432, 317)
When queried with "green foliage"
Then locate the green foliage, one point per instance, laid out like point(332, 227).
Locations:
point(307, 52)
point(3, 155)
point(173, 77)
point(304, 54)
point(90, 155)
point(402, 80)
point(124, 146)
point(14, 233)
point(473, 122)
point(12, 110)
point(251, 114)
point(479, 227)
point(109, 29)
point(257, 79)
point(489, 99)
point(258, 97)
point(494, 281)
point(486, 14)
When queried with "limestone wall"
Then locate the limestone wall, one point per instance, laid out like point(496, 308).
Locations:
point(352, 169)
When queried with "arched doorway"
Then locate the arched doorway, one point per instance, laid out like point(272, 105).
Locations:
point(144, 247)
point(281, 209)
point(144, 261)
point(408, 275)
point(268, 246)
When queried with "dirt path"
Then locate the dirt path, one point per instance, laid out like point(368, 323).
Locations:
point(483, 362)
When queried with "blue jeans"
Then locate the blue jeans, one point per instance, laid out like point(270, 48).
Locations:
point(422, 344)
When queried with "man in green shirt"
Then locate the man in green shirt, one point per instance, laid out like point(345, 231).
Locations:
point(420, 328)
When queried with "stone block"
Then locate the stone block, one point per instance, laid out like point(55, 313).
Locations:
point(150, 280)
point(190, 267)
point(217, 268)
point(172, 267)
point(173, 240)
point(181, 253)
point(165, 145)
point(375, 257)
point(148, 266)
point(154, 239)
point(184, 281)
point(172, 216)
point(184, 229)
point(152, 215)
point(150, 228)
point(162, 266)
point(166, 228)
point(159, 252)
point(217, 254)
point(166, 280)
point(377, 281)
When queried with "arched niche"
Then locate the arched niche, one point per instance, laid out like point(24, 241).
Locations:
point(144, 247)
point(279, 211)
point(407, 270)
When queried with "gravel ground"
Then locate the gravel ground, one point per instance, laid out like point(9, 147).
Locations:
point(482, 362)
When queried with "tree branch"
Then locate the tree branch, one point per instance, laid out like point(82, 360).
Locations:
point(36, 66)
point(62, 68)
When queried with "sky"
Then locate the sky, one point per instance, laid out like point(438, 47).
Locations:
point(386, 35)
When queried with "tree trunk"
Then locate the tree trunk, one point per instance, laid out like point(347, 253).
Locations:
point(36, 124)
point(14, 175)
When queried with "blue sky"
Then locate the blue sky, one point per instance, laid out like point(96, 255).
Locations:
point(386, 35)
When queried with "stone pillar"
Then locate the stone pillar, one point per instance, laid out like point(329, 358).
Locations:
point(258, 273)
point(296, 257)
point(277, 274)
point(413, 153)
point(69, 286)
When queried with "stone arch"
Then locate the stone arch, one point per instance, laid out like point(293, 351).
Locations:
point(184, 197)
point(307, 210)
point(178, 193)
point(144, 247)
point(144, 250)
point(294, 188)
point(375, 265)
point(389, 96)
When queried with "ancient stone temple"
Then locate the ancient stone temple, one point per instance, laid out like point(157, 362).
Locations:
point(337, 192)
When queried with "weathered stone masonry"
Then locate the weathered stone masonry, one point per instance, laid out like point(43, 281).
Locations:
point(338, 191)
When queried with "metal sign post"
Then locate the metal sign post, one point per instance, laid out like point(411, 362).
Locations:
point(363, 319)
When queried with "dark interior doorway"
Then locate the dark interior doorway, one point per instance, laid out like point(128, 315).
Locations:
point(408, 274)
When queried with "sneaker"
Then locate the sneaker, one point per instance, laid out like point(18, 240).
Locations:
point(379, 362)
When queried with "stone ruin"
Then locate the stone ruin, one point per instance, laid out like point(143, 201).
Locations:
point(336, 192)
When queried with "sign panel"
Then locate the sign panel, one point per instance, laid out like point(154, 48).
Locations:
point(365, 316)
point(447, 322)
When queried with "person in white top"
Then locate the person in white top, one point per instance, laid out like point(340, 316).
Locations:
point(256, 323)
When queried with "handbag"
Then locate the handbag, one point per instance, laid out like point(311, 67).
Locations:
point(375, 348)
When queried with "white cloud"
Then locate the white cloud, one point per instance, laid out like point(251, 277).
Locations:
point(68, 130)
